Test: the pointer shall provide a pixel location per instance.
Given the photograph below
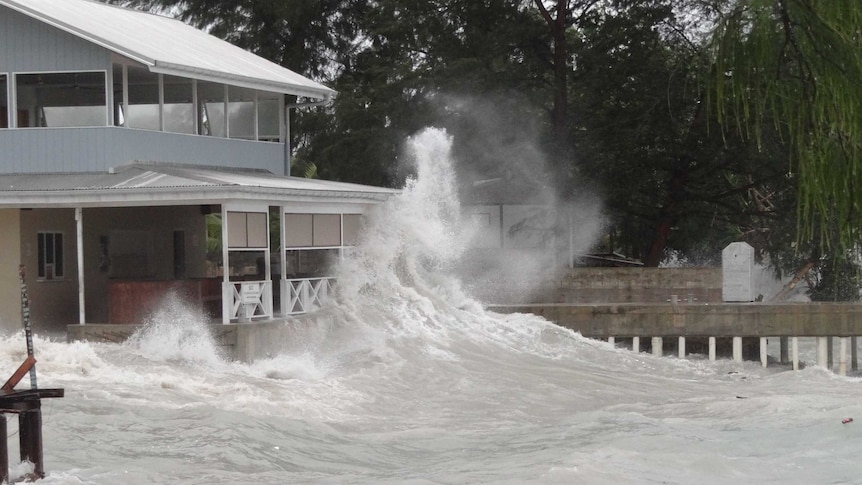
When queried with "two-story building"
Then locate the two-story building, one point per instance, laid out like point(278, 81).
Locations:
point(140, 156)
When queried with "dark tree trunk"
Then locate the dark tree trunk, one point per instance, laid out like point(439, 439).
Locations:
point(668, 214)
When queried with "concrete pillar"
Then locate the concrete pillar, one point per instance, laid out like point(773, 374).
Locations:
point(842, 356)
point(712, 349)
point(612, 341)
point(763, 351)
point(822, 357)
point(794, 352)
point(657, 346)
point(854, 361)
point(830, 361)
point(737, 349)
point(782, 344)
point(681, 346)
point(636, 344)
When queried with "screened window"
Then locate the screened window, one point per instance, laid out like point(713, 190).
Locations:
point(268, 117)
point(179, 107)
point(211, 100)
point(241, 113)
point(143, 109)
point(50, 247)
point(62, 99)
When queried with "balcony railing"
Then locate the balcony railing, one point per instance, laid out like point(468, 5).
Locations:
point(247, 300)
point(305, 295)
point(96, 149)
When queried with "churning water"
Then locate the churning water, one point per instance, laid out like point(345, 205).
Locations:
point(416, 384)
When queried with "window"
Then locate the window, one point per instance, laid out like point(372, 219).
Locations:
point(50, 256)
point(179, 109)
point(241, 113)
point(211, 101)
point(143, 109)
point(61, 99)
point(4, 103)
point(268, 117)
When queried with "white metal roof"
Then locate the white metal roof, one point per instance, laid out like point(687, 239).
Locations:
point(168, 184)
point(167, 45)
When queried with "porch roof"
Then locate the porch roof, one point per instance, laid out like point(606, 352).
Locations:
point(140, 184)
point(167, 46)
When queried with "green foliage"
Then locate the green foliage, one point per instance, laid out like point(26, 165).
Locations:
point(795, 66)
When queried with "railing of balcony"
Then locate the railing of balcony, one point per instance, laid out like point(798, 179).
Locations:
point(248, 300)
point(305, 294)
point(96, 149)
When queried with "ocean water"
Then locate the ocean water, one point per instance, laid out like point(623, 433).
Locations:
point(414, 383)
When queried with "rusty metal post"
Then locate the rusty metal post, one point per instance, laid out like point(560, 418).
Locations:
point(25, 315)
point(30, 438)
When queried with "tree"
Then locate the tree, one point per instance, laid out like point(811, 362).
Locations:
point(794, 66)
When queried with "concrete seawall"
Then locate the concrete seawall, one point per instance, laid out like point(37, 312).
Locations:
point(243, 342)
point(694, 320)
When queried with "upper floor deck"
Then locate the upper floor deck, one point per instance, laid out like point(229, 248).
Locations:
point(85, 86)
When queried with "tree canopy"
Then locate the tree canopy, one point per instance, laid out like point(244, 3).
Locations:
point(697, 122)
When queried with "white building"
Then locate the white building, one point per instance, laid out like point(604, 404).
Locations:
point(124, 136)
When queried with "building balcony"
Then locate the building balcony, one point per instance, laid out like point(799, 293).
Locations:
point(96, 149)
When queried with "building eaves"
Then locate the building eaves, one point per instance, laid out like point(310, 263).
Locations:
point(167, 45)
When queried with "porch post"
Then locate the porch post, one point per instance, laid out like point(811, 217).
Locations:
point(226, 291)
point(267, 271)
point(283, 290)
point(79, 223)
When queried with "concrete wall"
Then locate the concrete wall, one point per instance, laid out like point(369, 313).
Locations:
point(10, 289)
point(245, 342)
point(645, 285)
point(522, 279)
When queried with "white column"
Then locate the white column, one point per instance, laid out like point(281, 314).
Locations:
point(737, 349)
point(712, 349)
point(636, 344)
point(842, 356)
point(681, 347)
point(822, 352)
point(612, 341)
point(763, 351)
point(854, 360)
point(227, 291)
point(284, 291)
point(79, 224)
point(125, 95)
point(162, 102)
point(794, 351)
point(657, 344)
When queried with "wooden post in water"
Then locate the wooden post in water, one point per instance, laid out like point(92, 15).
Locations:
point(27, 403)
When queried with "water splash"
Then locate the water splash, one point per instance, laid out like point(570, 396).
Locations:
point(176, 331)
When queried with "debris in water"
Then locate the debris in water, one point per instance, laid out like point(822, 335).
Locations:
point(846, 420)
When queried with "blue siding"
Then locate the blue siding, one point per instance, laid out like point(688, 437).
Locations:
point(29, 45)
point(60, 150)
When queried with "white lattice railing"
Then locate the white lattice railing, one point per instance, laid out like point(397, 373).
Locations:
point(247, 300)
point(304, 295)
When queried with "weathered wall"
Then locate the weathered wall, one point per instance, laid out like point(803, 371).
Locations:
point(643, 285)
point(53, 303)
point(10, 292)
point(511, 285)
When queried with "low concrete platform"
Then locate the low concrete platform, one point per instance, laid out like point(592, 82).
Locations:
point(243, 342)
point(700, 320)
